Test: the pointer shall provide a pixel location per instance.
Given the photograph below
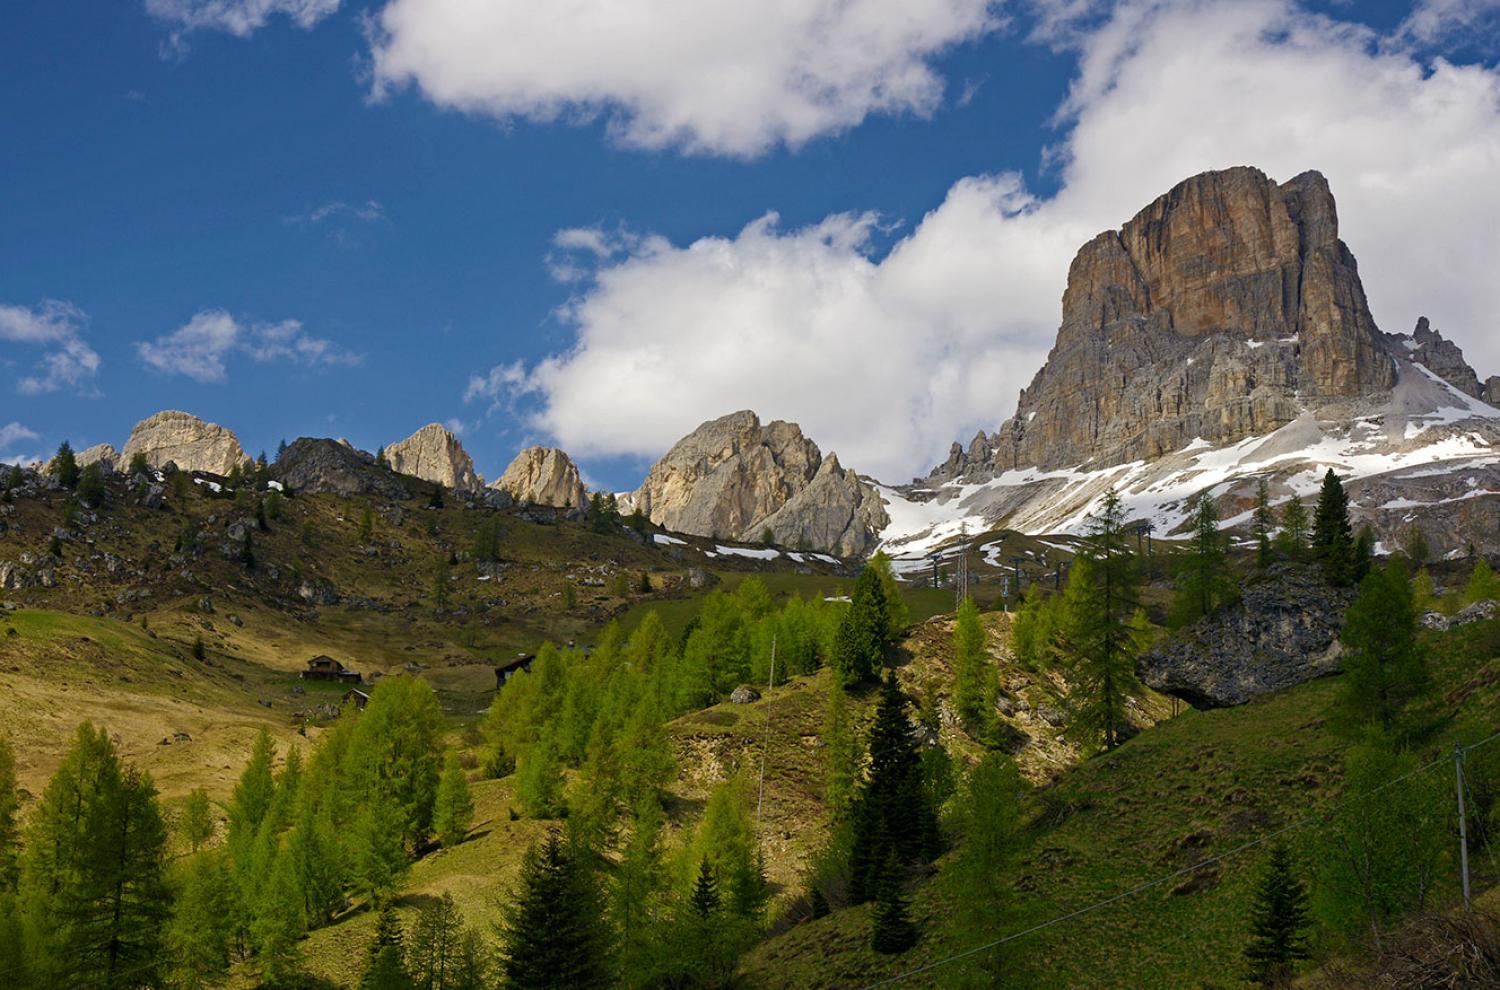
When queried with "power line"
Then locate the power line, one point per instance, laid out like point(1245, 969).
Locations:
point(1158, 881)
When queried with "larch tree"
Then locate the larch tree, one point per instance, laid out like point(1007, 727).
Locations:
point(454, 805)
point(1384, 664)
point(976, 678)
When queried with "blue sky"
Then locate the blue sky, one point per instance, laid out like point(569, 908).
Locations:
point(307, 217)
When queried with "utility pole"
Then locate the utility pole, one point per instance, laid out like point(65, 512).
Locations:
point(1463, 829)
point(961, 577)
point(1016, 562)
point(935, 570)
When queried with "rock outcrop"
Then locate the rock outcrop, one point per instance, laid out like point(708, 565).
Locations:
point(322, 465)
point(543, 476)
point(1283, 631)
point(1217, 312)
point(733, 478)
point(1443, 358)
point(435, 454)
point(185, 440)
point(103, 454)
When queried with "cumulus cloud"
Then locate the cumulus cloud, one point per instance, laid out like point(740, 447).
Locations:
point(1437, 21)
point(201, 348)
point(13, 433)
point(887, 358)
point(56, 326)
point(736, 77)
point(240, 18)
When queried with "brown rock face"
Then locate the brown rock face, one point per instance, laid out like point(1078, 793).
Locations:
point(543, 476)
point(1215, 312)
point(103, 454)
point(733, 478)
point(185, 440)
point(434, 454)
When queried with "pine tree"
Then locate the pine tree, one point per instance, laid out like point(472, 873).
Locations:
point(93, 871)
point(554, 935)
point(976, 679)
point(453, 810)
point(1292, 540)
point(280, 449)
point(64, 466)
point(442, 572)
point(366, 525)
point(278, 923)
point(198, 938)
point(91, 490)
point(385, 962)
point(262, 522)
point(893, 813)
point(706, 889)
point(1099, 643)
point(1417, 547)
point(864, 632)
point(197, 820)
point(1384, 666)
point(247, 552)
point(1279, 922)
point(1204, 582)
point(1263, 524)
point(1333, 538)
point(432, 951)
point(1482, 585)
point(891, 930)
point(989, 814)
point(10, 826)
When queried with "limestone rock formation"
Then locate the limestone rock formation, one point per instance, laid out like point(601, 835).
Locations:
point(435, 454)
point(184, 440)
point(1443, 358)
point(1283, 631)
point(1214, 313)
point(733, 478)
point(322, 465)
point(543, 476)
point(103, 454)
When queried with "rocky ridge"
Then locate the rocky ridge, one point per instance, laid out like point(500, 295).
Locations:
point(173, 437)
point(543, 476)
point(734, 478)
point(434, 454)
point(1219, 337)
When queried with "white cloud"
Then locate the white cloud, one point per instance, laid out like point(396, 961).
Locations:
point(889, 360)
point(369, 211)
point(68, 361)
point(240, 18)
point(200, 348)
point(13, 433)
point(734, 77)
point(497, 384)
point(1437, 21)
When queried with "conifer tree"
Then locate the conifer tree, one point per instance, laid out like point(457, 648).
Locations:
point(366, 525)
point(442, 572)
point(1483, 585)
point(1279, 922)
point(10, 825)
point(380, 860)
point(251, 799)
point(385, 961)
point(636, 894)
point(433, 949)
point(863, 634)
point(197, 820)
point(976, 679)
point(1263, 524)
point(1099, 642)
point(989, 814)
point(278, 923)
point(1384, 666)
point(93, 871)
point(247, 552)
point(1292, 540)
point(893, 813)
point(91, 491)
point(138, 465)
point(706, 889)
point(897, 614)
point(454, 808)
point(1333, 537)
point(1204, 582)
point(1416, 546)
point(318, 862)
point(891, 929)
point(554, 935)
point(64, 466)
point(199, 936)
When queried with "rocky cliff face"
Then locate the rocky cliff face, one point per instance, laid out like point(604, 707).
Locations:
point(1426, 346)
point(434, 454)
point(1217, 312)
point(322, 465)
point(733, 478)
point(185, 440)
point(543, 476)
point(103, 454)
